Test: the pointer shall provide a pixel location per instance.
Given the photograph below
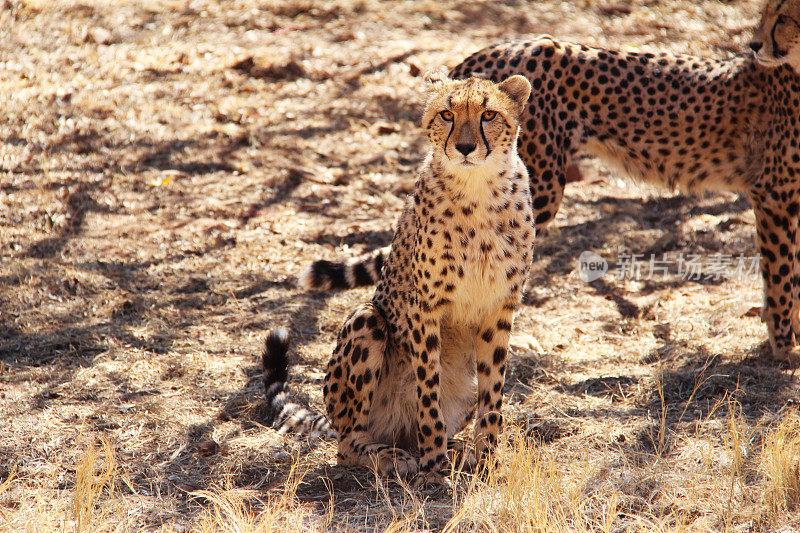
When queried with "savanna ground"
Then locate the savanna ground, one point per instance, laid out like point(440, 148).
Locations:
point(167, 168)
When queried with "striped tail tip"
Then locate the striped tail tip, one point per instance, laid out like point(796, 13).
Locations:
point(323, 276)
point(275, 360)
point(362, 271)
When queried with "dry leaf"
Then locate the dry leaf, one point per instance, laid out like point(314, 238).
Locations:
point(753, 311)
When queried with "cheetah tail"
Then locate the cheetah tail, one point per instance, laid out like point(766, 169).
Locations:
point(288, 415)
point(338, 275)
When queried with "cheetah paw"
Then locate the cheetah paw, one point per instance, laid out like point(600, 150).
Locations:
point(396, 461)
point(788, 355)
point(461, 457)
point(432, 480)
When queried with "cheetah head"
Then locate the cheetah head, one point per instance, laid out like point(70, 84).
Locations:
point(777, 39)
point(474, 122)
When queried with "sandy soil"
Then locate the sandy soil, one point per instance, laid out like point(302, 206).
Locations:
point(167, 168)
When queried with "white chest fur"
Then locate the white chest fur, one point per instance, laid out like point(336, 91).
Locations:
point(484, 286)
point(480, 226)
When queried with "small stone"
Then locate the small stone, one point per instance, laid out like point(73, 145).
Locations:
point(208, 448)
point(98, 35)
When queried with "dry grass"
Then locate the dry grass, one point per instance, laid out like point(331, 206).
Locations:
point(167, 167)
point(526, 489)
point(781, 467)
point(91, 484)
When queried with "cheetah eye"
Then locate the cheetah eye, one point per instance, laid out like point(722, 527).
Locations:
point(488, 116)
point(446, 116)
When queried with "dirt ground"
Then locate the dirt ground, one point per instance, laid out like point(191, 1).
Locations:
point(167, 168)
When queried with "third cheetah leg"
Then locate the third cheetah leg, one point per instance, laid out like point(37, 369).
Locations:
point(795, 256)
point(350, 383)
point(546, 163)
point(492, 349)
point(431, 431)
point(777, 234)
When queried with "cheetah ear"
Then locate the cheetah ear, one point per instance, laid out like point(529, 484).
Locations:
point(518, 88)
point(436, 76)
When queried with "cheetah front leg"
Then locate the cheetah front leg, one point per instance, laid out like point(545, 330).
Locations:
point(431, 431)
point(777, 235)
point(353, 375)
point(492, 348)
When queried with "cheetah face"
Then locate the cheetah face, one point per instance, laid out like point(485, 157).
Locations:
point(777, 39)
point(475, 121)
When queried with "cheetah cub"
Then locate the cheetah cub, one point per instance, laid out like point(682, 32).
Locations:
point(409, 365)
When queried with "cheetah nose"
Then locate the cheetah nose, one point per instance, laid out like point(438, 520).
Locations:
point(755, 46)
point(465, 149)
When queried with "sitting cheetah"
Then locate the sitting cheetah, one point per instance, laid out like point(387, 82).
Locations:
point(408, 366)
point(685, 122)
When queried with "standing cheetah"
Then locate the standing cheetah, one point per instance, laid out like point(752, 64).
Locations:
point(408, 366)
point(684, 122)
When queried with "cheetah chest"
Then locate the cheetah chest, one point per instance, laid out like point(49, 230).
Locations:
point(491, 255)
point(483, 289)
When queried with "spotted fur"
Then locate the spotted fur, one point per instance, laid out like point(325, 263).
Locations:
point(414, 365)
point(684, 122)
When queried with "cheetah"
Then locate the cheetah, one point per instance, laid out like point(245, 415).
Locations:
point(427, 354)
point(684, 122)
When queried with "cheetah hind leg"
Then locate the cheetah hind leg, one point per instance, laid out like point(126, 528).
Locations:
point(353, 375)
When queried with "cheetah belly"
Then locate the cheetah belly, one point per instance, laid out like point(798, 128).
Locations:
point(393, 416)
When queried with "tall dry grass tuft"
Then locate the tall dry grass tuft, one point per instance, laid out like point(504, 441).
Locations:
point(780, 463)
point(662, 419)
point(736, 438)
point(4, 486)
point(90, 480)
point(526, 489)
